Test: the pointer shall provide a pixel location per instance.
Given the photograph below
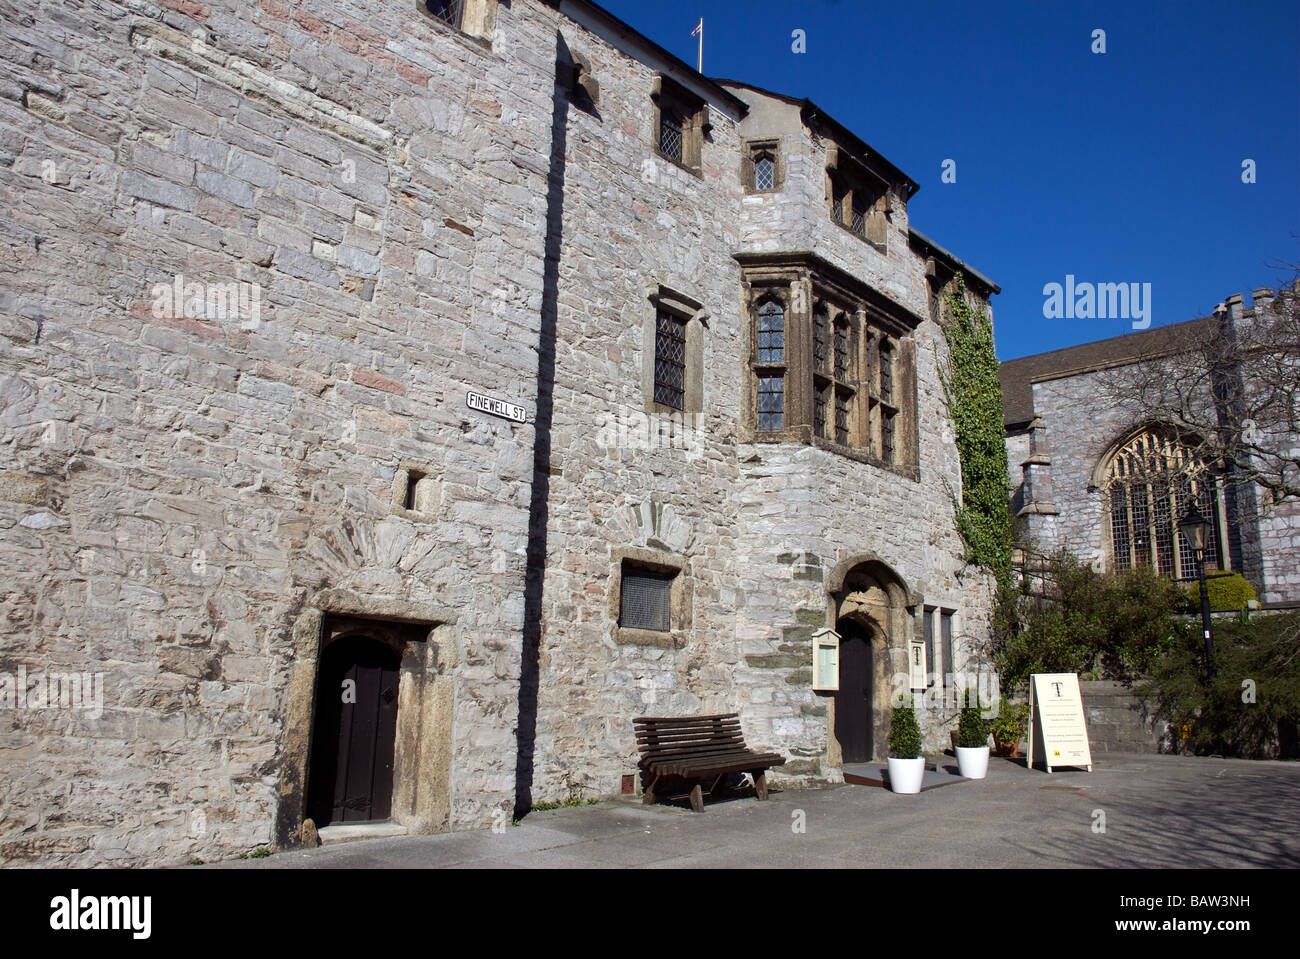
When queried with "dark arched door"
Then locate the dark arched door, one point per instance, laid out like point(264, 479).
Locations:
point(355, 732)
point(853, 718)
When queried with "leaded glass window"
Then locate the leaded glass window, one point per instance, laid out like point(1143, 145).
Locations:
point(670, 134)
point(765, 172)
point(859, 222)
point(670, 360)
point(841, 351)
point(821, 340)
point(820, 404)
point(771, 403)
point(448, 11)
point(771, 334)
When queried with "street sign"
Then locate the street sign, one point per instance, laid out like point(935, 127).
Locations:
point(495, 407)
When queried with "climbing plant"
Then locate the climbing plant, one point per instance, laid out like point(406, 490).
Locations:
point(974, 398)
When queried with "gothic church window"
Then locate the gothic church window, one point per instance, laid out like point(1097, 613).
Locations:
point(1149, 484)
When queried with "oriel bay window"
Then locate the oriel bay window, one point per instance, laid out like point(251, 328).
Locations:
point(830, 361)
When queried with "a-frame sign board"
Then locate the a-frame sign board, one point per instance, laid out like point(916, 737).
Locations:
point(1058, 732)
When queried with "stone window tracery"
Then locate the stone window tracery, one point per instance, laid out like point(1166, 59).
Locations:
point(1149, 484)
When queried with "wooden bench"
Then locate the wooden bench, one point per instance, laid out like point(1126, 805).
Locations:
point(697, 748)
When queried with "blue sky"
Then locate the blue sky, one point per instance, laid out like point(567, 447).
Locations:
point(1124, 166)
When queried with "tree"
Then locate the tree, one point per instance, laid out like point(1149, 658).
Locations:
point(1230, 390)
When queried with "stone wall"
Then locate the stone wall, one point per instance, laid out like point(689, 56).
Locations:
point(409, 212)
point(179, 487)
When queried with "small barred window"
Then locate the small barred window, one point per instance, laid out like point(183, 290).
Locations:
point(646, 599)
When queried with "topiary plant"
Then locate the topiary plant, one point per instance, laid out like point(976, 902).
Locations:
point(1228, 591)
point(904, 733)
point(972, 732)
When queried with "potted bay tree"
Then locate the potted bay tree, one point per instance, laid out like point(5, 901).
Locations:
point(972, 743)
point(906, 764)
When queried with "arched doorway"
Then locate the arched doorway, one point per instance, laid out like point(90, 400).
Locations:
point(870, 604)
point(853, 700)
point(355, 732)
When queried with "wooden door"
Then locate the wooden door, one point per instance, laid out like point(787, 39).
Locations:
point(355, 732)
point(853, 719)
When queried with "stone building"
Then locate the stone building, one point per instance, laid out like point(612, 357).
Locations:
point(1090, 472)
point(400, 397)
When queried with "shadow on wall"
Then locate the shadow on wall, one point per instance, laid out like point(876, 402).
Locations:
point(526, 734)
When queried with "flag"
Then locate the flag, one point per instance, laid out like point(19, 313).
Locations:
point(698, 27)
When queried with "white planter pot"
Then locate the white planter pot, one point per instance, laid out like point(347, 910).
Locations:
point(905, 775)
point(973, 761)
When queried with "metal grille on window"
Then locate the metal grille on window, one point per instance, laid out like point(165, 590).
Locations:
point(771, 403)
point(842, 417)
point(771, 333)
point(670, 360)
point(645, 599)
point(670, 134)
point(449, 11)
point(764, 172)
point(841, 351)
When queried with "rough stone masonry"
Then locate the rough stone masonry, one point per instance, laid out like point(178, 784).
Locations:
point(258, 254)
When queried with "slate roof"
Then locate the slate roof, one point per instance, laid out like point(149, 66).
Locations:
point(1019, 375)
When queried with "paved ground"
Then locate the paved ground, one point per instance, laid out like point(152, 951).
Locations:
point(1159, 812)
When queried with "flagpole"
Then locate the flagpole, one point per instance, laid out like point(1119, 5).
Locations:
point(700, 62)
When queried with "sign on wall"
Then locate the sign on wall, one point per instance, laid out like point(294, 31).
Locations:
point(495, 407)
point(826, 660)
point(1058, 732)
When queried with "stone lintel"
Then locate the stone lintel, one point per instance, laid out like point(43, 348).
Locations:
point(392, 608)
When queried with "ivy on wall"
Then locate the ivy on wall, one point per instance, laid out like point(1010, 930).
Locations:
point(974, 398)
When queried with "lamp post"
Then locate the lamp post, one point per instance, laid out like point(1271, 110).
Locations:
point(1193, 525)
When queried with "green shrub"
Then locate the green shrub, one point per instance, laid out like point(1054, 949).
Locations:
point(904, 733)
point(1114, 622)
point(972, 731)
point(1252, 708)
point(1228, 591)
point(1008, 726)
